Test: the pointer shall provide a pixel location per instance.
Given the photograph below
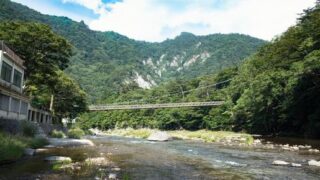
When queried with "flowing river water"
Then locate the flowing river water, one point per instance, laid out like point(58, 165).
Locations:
point(178, 159)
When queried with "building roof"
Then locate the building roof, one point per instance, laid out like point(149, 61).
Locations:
point(12, 55)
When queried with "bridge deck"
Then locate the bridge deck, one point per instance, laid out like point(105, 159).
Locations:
point(153, 106)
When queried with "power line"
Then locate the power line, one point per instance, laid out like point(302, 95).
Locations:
point(168, 95)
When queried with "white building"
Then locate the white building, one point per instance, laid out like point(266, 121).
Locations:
point(13, 103)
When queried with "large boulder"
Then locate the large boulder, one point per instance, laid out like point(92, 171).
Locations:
point(159, 136)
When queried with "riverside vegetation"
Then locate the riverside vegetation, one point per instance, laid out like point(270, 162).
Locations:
point(201, 135)
point(13, 145)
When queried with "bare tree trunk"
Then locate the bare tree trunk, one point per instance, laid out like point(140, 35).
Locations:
point(51, 103)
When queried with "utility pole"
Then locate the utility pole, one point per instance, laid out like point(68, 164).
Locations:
point(182, 92)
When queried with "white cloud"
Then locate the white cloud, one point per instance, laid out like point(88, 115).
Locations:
point(45, 8)
point(156, 20)
point(96, 5)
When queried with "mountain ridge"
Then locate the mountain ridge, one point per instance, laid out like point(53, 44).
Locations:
point(108, 63)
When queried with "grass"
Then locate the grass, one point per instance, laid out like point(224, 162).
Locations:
point(76, 133)
point(12, 146)
point(202, 135)
point(130, 132)
point(57, 134)
point(213, 136)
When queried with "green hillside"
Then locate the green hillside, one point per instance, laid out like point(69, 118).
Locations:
point(108, 64)
point(275, 91)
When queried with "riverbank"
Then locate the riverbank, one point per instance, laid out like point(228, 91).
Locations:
point(13, 146)
point(199, 135)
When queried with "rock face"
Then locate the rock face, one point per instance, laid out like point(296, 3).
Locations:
point(57, 158)
point(314, 163)
point(280, 163)
point(159, 136)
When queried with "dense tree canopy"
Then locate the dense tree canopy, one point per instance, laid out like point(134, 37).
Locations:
point(44, 52)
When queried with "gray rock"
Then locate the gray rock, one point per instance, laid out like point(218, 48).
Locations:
point(295, 165)
point(257, 141)
point(41, 150)
point(57, 158)
point(159, 136)
point(295, 148)
point(280, 163)
point(29, 151)
point(116, 169)
point(313, 150)
point(112, 176)
point(314, 163)
point(100, 161)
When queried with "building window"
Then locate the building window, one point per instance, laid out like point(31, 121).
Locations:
point(24, 108)
point(4, 102)
point(15, 105)
point(17, 78)
point(6, 71)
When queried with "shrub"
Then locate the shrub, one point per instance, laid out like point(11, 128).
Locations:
point(57, 134)
point(11, 148)
point(76, 133)
point(28, 129)
point(38, 142)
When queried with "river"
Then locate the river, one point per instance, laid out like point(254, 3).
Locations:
point(178, 159)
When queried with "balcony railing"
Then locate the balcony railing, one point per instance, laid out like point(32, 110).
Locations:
point(13, 56)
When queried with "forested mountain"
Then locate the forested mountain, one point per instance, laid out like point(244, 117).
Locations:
point(275, 91)
point(108, 64)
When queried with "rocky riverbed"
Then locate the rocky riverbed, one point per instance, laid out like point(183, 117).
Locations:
point(131, 158)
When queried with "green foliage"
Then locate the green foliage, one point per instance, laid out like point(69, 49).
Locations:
point(217, 118)
point(45, 54)
point(69, 98)
point(37, 142)
point(76, 133)
point(57, 134)
point(28, 129)
point(277, 89)
point(11, 149)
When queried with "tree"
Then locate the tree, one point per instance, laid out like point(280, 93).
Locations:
point(44, 52)
point(69, 99)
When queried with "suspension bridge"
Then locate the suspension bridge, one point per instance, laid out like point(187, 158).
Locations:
point(153, 106)
point(128, 106)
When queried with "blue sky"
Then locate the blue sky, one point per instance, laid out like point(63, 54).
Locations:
point(157, 20)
